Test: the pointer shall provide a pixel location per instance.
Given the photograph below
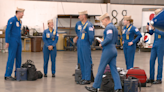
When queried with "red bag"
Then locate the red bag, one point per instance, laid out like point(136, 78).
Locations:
point(139, 74)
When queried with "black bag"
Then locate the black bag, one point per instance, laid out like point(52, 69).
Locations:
point(78, 75)
point(31, 70)
point(107, 84)
point(40, 75)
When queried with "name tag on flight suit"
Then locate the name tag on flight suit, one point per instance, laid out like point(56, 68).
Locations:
point(159, 36)
point(48, 35)
point(127, 34)
point(83, 35)
point(17, 24)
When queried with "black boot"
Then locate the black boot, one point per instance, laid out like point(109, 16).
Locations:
point(91, 89)
point(79, 81)
point(149, 81)
point(157, 82)
point(85, 82)
point(10, 78)
point(45, 75)
point(118, 90)
point(53, 75)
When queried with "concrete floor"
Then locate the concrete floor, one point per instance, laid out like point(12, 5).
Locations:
point(65, 67)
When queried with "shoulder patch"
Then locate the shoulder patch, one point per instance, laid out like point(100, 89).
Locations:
point(109, 32)
point(90, 28)
point(79, 27)
point(136, 30)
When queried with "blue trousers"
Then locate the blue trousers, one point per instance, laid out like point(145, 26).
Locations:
point(129, 53)
point(108, 57)
point(156, 51)
point(14, 52)
point(85, 61)
point(46, 54)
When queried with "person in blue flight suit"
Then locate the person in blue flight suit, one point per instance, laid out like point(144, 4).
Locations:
point(50, 39)
point(84, 38)
point(109, 54)
point(13, 43)
point(156, 51)
point(129, 43)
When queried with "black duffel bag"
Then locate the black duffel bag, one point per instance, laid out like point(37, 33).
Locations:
point(107, 84)
point(31, 70)
point(40, 75)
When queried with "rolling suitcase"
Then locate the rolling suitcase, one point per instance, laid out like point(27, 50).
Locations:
point(21, 74)
point(78, 76)
point(131, 85)
point(138, 73)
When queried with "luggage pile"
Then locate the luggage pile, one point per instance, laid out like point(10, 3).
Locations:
point(131, 80)
point(28, 72)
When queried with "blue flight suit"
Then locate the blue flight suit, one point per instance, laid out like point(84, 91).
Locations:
point(157, 51)
point(129, 51)
point(85, 33)
point(13, 37)
point(109, 54)
point(50, 39)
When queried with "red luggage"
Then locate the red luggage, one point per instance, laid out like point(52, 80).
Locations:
point(139, 74)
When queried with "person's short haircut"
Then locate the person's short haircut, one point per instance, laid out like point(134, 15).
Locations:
point(108, 18)
point(86, 15)
point(16, 12)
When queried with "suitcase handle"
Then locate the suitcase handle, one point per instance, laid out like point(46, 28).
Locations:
point(135, 68)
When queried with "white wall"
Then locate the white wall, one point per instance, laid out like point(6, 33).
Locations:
point(74, 8)
point(134, 10)
point(38, 12)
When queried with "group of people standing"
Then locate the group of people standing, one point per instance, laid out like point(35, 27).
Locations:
point(85, 36)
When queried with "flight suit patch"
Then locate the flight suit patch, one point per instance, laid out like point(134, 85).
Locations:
point(17, 24)
point(79, 27)
point(136, 30)
point(48, 35)
point(109, 32)
point(159, 36)
point(90, 29)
